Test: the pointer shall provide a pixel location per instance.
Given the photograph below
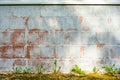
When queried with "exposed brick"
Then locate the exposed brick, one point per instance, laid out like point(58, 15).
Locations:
point(6, 52)
point(19, 62)
point(19, 51)
point(68, 37)
point(12, 51)
point(40, 52)
point(35, 36)
point(18, 36)
point(33, 51)
point(12, 37)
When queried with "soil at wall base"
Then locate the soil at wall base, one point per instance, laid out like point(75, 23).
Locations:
point(33, 76)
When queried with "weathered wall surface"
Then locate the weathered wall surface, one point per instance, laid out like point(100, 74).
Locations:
point(36, 35)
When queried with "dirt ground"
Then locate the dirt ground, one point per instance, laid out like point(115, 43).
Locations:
point(33, 76)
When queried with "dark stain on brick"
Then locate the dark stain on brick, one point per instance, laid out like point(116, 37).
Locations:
point(86, 28)
point(37, 32)
point(72, 29)
point(46, 32)
point(54, 20)
point(3, 50)
point(15, 35)
point(71, 61)
point(36, 62)
point(34, 30)
point(58, 30)
point(41, 16)
point(112, 53)
point(109, 20)
point(19, 62)
point(81, 19)
point(15, 17)
point(5, 33)
point(26, 22)
point(18, 47)
point(118, 57)
point(29, 48)
point(42, 56)
point(54, 53)
point(67, 36)
point(82, 49)
point(100, 45)
point(41, 35)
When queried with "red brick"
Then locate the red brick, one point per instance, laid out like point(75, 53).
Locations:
point(19, 62)
point(18, 36)
point(40, 52)
point(12, 51)
point(35, 36)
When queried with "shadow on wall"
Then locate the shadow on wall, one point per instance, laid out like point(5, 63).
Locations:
point(83, 35)
point(92, 35)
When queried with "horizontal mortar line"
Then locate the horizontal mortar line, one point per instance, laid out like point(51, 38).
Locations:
point(64, 59)
point(40, 4)
point(63, 45)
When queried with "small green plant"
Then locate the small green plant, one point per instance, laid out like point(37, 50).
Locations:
point(39, 69)
point(55, 67)
point(117, 70)
point(27, 70)
point(110, 69)
point(17, 69)
point(95, 70)
point(78, 70)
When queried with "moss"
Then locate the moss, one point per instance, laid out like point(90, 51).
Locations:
point(102, 76)
point(56, 77)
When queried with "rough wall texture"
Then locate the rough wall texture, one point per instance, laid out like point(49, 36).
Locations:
point(36, 35)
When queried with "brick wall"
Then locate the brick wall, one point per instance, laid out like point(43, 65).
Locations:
point(36, 35)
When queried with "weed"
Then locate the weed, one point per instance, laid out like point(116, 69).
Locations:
point(95, 70)
point(27, 70)
point(55, 67)
point(78, 70)
point(17, 69)
point(39, 69)
point(110, 69)
point(117, 70)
